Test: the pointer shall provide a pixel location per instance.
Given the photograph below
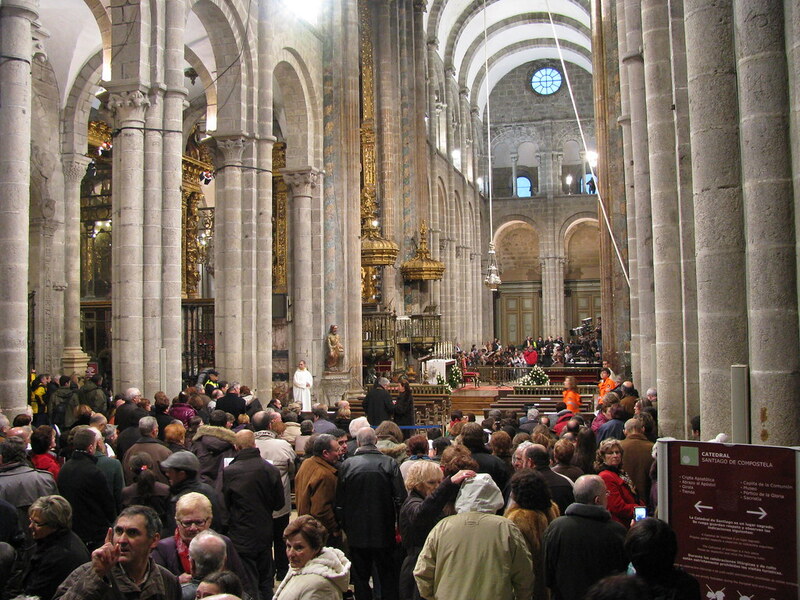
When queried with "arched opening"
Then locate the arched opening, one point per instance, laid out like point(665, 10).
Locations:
point(519, 308)
point(582, 272)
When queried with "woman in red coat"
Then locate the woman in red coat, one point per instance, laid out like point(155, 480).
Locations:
point(622, 496)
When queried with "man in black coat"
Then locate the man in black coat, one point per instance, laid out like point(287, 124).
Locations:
point(232, 402)
point(368, 499)
point(252, 490)
point(378, 404)
point(84, 486)
point(473, 438)
point(128, 414)
point(584, 533)
point(561, 487)
point(182, 470)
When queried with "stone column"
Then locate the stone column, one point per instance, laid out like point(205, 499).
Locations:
point(552, 295)
point(768, 212)
point(152, 222)
point(514, 159)
point(792, 17)
point(302, 183)
point(718, 208)
point(172, 177)
point(614, 290)
point(42, 230)
point(388, 101)
point(634, 65)
point(264, 144)
point(436, 286)
point(691, 377)
point(630, 197)
point(127, 216)
point(352, 201)
point(228, 309)
point(665, 218)
point(73, 359)
point(15, 131)
point(556, 181)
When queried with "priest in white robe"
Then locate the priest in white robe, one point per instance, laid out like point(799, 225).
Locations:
point(301, 386)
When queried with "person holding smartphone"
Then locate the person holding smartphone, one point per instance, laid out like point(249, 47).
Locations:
point(622, 496)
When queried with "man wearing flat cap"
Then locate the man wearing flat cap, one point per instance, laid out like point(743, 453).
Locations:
point(181, 468)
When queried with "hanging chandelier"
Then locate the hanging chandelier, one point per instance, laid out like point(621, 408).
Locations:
point(492, 279)
point(422, 267)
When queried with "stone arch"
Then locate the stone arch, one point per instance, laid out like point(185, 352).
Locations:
point(517, 135)
point(458, 219)
point(439, 219)
point(517, 244)
point(293, 114)
point(228, 35)
point(79, 105)
point(572, 221)
point(581, 249)
point(104, 24)
point(312, 100)
point(508, 220)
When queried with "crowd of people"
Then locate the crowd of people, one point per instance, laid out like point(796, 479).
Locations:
point(215, 493)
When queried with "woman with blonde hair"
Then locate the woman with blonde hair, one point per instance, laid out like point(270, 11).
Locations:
point(428, 494)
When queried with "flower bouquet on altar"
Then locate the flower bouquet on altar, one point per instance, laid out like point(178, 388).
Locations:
point(442, 381)
point(536, 376)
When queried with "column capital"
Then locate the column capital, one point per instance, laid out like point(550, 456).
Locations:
point(231, 149)
point(420, 6)
point(514, 157)
point(24, 8)
point(128, 105)
point(302, 181)
point(74, 167)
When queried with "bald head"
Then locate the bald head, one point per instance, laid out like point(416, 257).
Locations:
point(245, 439)
point(590, 489)
point(536, 456)
point(633, 426)
point(366, 437)
point(23, 433)
point(208, 553)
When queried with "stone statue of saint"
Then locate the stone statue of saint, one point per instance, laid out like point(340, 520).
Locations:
point(334, 355)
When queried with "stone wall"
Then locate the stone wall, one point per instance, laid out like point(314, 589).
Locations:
point(513, 100)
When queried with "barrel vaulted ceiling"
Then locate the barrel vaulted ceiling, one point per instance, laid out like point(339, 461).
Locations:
point(517, 32)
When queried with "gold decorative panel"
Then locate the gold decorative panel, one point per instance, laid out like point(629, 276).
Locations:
point(280, 228)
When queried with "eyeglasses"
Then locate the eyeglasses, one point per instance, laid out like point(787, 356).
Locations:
point(38, 523)
point(194, 522)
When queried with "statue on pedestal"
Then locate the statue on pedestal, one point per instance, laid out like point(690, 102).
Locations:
point(334, 354)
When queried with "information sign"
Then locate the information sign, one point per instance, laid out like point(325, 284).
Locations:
point(734, 510)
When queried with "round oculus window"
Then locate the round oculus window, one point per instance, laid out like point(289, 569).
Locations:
point(546, 81)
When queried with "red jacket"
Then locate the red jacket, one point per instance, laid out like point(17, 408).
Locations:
point(46, 462)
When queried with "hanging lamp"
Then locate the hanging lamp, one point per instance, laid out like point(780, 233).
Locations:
point(492, 279)
point(422, 267)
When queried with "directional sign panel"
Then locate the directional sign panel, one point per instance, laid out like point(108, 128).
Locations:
point(734, 510)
